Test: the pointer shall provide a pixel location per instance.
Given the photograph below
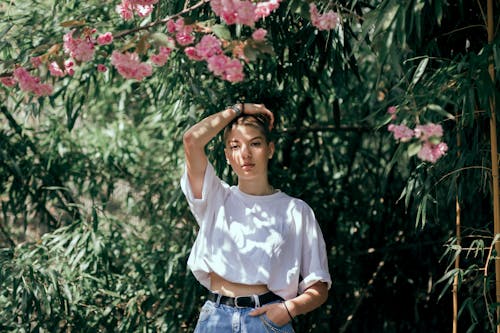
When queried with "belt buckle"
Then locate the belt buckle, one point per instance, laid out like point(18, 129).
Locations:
point(236, 302)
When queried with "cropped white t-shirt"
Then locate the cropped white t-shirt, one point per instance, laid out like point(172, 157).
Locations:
point(273, 239)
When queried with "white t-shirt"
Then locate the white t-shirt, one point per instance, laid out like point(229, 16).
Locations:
point(273, 239)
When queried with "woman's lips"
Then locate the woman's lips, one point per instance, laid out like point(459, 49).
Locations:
point(247, 166)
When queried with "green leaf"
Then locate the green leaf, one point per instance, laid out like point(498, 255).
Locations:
point(414, 148)
point(419, 71)
point(438, 109)
point(221, 31)
point(161, 39)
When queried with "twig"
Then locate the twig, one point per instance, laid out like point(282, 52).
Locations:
point(324, 128)
point(363, 295)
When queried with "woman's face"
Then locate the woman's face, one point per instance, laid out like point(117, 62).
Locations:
point(248, 152)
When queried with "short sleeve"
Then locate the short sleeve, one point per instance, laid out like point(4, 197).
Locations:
point(213, 189)
point(314, 260)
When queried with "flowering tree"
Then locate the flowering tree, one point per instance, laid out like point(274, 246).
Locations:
point(381, 102)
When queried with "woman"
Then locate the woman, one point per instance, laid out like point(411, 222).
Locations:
point(259, 251)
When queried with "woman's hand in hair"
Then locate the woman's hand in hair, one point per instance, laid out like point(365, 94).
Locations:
point(255, 109)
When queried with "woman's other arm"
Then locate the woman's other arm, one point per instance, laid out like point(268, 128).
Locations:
point(312, 298)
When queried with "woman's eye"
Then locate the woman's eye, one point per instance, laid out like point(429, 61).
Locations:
point(256, 144)
point(233, 147)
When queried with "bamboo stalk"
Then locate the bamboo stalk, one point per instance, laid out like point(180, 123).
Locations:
point(459, 242)
point(494, 159)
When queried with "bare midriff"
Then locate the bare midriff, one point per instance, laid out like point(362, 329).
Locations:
point(224, 287)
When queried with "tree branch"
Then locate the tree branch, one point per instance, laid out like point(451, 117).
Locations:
point(162, 21)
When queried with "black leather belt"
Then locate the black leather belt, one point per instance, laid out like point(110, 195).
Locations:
point(245, 301)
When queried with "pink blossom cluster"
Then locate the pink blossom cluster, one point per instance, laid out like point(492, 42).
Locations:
point(431, 152)
point(102, 68)
point(401, 132)
point(227, 68)
point(105, 39)
point(243, 11)
point(425, 132)
point(80, 48)
point(28, 83)
point(429, 135)
point(209, 49)
point(129, 65)
point(68, 69)
point(161, 57)
point(8, 81)
point(326, 21)
point(259, 34)
point(183, 32)
point(127, 8)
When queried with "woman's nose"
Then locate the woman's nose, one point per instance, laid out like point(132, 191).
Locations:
point(245, 151)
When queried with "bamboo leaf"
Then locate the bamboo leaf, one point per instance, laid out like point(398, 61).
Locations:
point(221, 31)
point(419, 72)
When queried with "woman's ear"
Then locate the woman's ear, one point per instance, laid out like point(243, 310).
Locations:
point(271, 150)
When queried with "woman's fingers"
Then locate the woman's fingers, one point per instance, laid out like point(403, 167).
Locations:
point(258, 311)
point(252, 108)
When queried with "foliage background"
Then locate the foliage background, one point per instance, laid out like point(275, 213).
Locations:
point(95, 232)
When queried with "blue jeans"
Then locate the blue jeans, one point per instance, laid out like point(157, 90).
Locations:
point(220, 318)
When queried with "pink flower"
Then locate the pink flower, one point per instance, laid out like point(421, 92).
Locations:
point(176, 26)
point(55, 70)
point(424, 132)
point(144, 11)
point(68, 67)
point(245, 13)
point(127, 8)
point(228, 69)
point(192, 54)
point(25, 80)
point(327, 21)
point(171, 27)
point(233, 72)
point(235, 11)
point(102, 68)
point(217, 64)
point(31, 83)
point(259, 34)
point(183, 32)
point(8, 81)
point(105, 39)
point(392, 111)
point(129, 65)
point(265, 8)
point(161, 58)
point(208, 46)
point(81, 49)
point(36, 61)
point(401, 132)
point(184, 38)
point(432, 152)
point(44, 89)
